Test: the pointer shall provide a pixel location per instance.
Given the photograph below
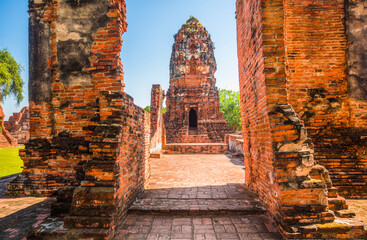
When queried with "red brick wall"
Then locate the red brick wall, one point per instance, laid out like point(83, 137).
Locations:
point(87, 136)
point(279, 159)
point(66, 120)
point(316, 42)
point(259, 157)
point(148, 147)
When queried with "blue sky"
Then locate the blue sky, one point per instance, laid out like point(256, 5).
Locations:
point(147, 43)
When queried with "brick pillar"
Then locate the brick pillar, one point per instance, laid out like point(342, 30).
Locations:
point(156, 120)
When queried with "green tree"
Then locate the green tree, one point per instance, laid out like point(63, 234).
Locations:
point(230, 107)
point(147, 109)
point(10, 81)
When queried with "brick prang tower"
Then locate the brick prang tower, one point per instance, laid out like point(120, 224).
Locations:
point(193, 114)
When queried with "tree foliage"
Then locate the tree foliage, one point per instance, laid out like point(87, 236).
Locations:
point(10, 81)
point(230, 107)
point(147, 109)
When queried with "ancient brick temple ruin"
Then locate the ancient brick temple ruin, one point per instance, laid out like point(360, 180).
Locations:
point(302, 75)
point(193, 116)
point(88, 142)
point(18, 125)
point(304, 113)
point(6, 139)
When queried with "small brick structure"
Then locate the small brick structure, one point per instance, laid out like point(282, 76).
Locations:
point(6, 139)
point(18, 125)
point(156, 121)
point(193, 114)
point(235, 144)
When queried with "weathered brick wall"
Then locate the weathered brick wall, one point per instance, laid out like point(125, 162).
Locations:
point(252, 41)
point(18, 125)
point(279, 159)
point(148, 147)
point(89, 142)
point(156, 121)
point(74, 55)
point(317, 87)
point(357, 77)
point(357, 41)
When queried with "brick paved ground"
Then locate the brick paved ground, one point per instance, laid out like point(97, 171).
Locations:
point(195, 170)
point(197, 197)
point(154, 227)
point(360, 208)
point(19, 214)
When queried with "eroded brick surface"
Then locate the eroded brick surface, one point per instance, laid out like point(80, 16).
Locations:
point(323, 92)
point(89, 142)
point(285, 57)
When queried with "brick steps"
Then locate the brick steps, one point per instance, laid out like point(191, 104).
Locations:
point(344, 214)
point(183, 148)
point(54, 229)
point(195, 138)
point(219, 212)
point(337, 203)
point(196, 206)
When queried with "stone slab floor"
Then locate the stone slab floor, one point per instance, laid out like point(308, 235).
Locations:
point(197, 197)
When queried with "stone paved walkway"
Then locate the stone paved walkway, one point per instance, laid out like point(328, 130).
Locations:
point(359, 207)
point(197, 197)
point(177, 171)
point(19, 214)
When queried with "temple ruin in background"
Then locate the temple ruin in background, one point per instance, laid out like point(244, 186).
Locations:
point(6, 139)
point(18, 125)
point(193, 121)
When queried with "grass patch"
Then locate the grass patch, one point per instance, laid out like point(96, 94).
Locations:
point(10, 162)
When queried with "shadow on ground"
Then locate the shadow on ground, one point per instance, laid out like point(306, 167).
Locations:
point(18, 215)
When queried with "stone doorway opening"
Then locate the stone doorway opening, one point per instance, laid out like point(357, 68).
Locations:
point(193, 119)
